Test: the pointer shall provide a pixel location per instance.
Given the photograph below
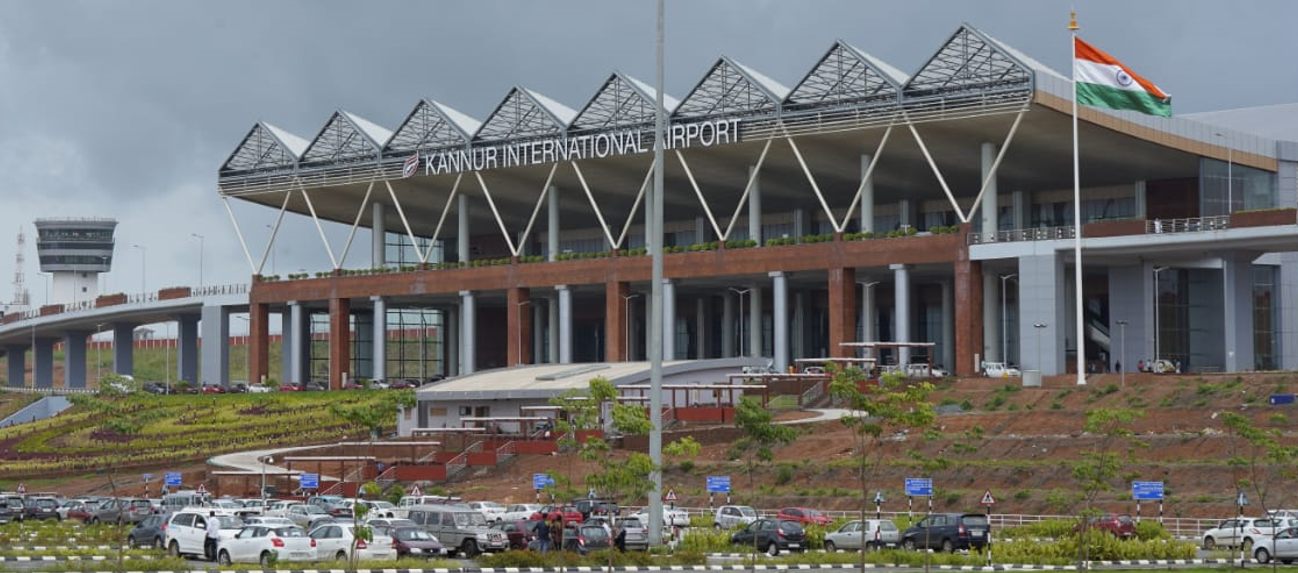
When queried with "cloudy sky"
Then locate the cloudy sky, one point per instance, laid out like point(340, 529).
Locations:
point(126, 109)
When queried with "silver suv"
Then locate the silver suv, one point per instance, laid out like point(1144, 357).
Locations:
point(458, 528)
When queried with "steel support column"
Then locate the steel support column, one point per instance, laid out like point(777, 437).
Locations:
point(565, 324)
point(124, 349)
point(468, 333)
point(187, 349)
point(780, 320)
point(379, 356)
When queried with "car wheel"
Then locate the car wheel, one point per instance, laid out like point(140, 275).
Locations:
point(93, 520)
point(1248, 544)
point(223, 557)
point(717, 526)
point(1209, 543)
point(265, 559)
point(340, 556)
point(469, 549)
point(947, 546)
point(908, 545)
point(830, 547)
point(772, 549)
point(1262, 555)
point(157, 543)
point(173, 550)
point(130, 542)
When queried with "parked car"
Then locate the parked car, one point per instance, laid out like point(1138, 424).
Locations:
point(633, 532)
point(583, 539)
point(258, 388)
point(1120, 525)
point(412, 541)
point(772, 536)
point(491, 510)
point(42, 508)
point(12, 509)
point(80, 510)
point(876, 533)
point(520, 532)
point(569, 513)
point(68, 506)
point(267, 521)
point(213, 389)
point(947, 532)
point(1283, 546)
point(595, 506)
point(266, 545)
point(671, 517)
point(149, 532)
point(335, 541)
point(1231, 532)
point(291, 387)
point(459, 528)
point(307, 516)
point(122, 510)
point(728, 516)
point(805, 516)
point(1000, 370)
point(520, 511)
point(186, 531)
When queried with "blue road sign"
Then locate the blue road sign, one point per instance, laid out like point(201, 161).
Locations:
point(310, 481)
point(539, 481)
point(1146, 490)
point(718, 484)
point(171, 479)
point(919, 487)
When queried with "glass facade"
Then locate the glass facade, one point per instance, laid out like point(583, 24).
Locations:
point(1244, 188)
point(1060, 214)
point(1266, 317)
point(398, 252)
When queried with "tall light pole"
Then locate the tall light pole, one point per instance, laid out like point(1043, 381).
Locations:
point(626, 309)
point(200, 257)
point(144, 268)
point(1039, 326)
point(742, 339)
point(264, 460)
point(1157, 349)
point(518, 359)
point(1122, 341)
point(1005, 321)
point(1230, 181)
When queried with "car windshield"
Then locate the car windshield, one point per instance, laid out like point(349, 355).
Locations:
point(747, 512)
point(813, 512)
point(229, 522)
point(290, 531)
point(975, 520)
point(467, 519)
point(401, 523)
point(790, 527)
point(412, 534)
point(630, 522)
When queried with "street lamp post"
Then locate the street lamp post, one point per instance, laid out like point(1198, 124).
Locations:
point(626, 309)
point(518, 359)
point(264, 461)
point(1039, 326)
point(1005, 321)
point(1122, 352)
point(144, 268)
point(1157, 323)
point(741, 292)
point(200, 257)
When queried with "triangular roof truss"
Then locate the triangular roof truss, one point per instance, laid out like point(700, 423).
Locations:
point(843, 76)
point(968, 62)
point(341, 140)
point(619, 103)
point(260, 150)
point(520, 116)
point(426, 128)
point(727, 89)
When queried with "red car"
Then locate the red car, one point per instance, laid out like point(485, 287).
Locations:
point(1120, 525)
point(213, 389)
point(290, 387)
point(569, 512)
point(520, 532)
point(805, 516)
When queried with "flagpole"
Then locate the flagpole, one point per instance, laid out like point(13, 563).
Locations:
point(1077, 221)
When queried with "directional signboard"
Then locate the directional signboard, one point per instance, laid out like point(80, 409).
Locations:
point(310, 481)
point(539, 481)
point(1146, 490)
point(718, 484)
point(919, 487)
point(172, 479)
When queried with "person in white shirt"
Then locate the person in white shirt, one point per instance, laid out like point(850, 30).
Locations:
point(213, 533)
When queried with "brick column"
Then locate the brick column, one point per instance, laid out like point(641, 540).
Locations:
point(258, 342)
point(519, 326)
point(842, 311)
point(340, 341)
point(615, 321)
point(968, 310)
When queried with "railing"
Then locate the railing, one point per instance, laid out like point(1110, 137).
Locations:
point(218, 290)
point(1152, 227)
point(137, 298)
point(49, 391)
point(388, 477)
point(505, 452)
point(810, 395)
point(1213, 223)
point(335, 489)
point(669, 415)
point(457, 464)
point(356, 475)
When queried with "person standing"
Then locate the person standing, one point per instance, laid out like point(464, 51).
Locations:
point(213, 533)
point(543, 535)
point(556, 531)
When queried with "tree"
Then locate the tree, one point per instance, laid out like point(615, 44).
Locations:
point(760, 434)
point(1099, 466)
point(580, 409)
point(1264, 463)
point(879, 411)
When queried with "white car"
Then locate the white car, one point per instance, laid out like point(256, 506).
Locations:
point(1000, 370)
point(1283, 546)
point(728, 516)
point(307, 516)
point(1230, 532)
point(876, 532)
point(267, 521)
point(333, 541)
point(258, 389)
point(263, 544)
point(671, 517)
point(187, 530)
point(489, 509)
point(520, 511)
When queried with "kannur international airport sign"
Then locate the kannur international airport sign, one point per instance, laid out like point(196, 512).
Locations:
point(579, 147)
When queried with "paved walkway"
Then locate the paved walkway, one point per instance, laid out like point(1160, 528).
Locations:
point(822, 414)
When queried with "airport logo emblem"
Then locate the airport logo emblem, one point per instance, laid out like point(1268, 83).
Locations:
point(410, 166)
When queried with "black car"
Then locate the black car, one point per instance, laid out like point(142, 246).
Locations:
point(148, 532)
point(12, 509)
point(154, 387)
point(595, 506)
point(42, 508)
point(772, 536)
point(947, 532)
point(583, 539)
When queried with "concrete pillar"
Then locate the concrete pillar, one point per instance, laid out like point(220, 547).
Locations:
point(187, 349)
point(992, 318)
point(552, 326)
point(518, 326)
point(616, 320)
point(669, 320)
point(842, 311)
point(701, 230)
point(755, 209)
point(1043, 301)
point(538, 310)
point(74, 358)
point(216, 347)
point(948, 326)
point(901, 309)
point(1133, 342)
point(258, 342)
point(906, 213)
point(1142, 204)
point(297, 345)
point(755, 321)
point(637, 334)
point(468, 333)
point(552, 223)
point(565, 324)
point(43, 364)
point(286, 337)
point(801, 223)
point(799, 326)
point(378, 236)
point(123, 348)
point(1022, 209)
point(727, 324)
point(990, 212)
point(462, 227)
point(968, 312)
point(702, 316)
point(1237, 298)
point(453, 349)
point(379, 355)
point(1286, 295)
point(867, 196)
point(869, 313)
point(17, 360)
point(780, 319)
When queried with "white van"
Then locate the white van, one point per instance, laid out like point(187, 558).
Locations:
point(179, 500)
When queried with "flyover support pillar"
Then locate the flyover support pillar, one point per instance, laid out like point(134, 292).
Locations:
point(258, 342)
point(780, 319)
point(901, 287)
point(565, 324)
point(74, 358)
point(17, 355)
point(187, 353)
point(124, 349)
point(340, 341)
point(43, 364)
point(617, 346)
point(216, 347)
point(842, 311)
point(468, 332)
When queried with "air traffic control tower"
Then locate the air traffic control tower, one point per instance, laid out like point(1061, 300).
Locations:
point(74, 251)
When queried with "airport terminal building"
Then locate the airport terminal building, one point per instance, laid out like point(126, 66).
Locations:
point(857, 203)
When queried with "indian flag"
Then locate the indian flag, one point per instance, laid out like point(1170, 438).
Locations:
point(1101, 81)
